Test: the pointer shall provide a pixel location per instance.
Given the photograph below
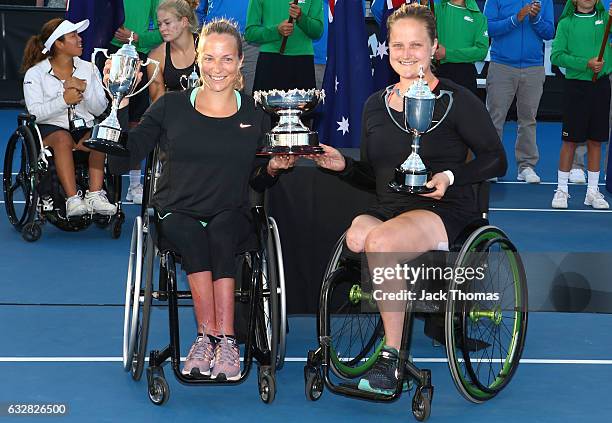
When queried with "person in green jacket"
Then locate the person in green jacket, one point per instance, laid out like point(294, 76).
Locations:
point(267, 24)
point(141, 19)
point(580, 32)
point(462, 40)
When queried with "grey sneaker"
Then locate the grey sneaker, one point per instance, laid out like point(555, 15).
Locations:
point(227, 360)
point(200, 358)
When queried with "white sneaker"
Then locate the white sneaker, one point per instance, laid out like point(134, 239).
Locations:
point(559, 201)
point(595, 199)
point(577, 176)
point(97, 202)
point(528, 175)
point(75, 206)
point(134, 194)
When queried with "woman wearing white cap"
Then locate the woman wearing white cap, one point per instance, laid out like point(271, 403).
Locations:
point(56, 80)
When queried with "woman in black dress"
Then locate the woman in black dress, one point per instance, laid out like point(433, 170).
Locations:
point(208, 137)
point(408, 224)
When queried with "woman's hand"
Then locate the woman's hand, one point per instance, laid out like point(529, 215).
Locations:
point(595, 65)
point(73, 82)
point(441, 183)
point(73, 96)
point(331, 159)
point(281, 162)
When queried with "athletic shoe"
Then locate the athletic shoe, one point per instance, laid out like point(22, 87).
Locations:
point(227, 360)
point(200, 358)
point(134, 194)
point(382, 377)
point(75, 206)
point(528, 175)
point(577, 176)
point(559, 201)
point(595, 199)
point(97, 202)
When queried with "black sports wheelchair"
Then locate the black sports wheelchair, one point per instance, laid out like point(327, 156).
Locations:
point(33, 194)
point(484, 339)
point(260, 301)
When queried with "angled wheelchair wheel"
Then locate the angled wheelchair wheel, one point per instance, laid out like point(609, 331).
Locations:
point(138, 297)
point(276, 252)
point(19, 178)
point(486, 320)
point(353, 326)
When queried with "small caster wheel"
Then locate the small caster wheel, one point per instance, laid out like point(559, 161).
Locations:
point(159, 392)
point(267, 388)
point(31, 232)
point(421, 404)
point(314, 383)
point(116, 228)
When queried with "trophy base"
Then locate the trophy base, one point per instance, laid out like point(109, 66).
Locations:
point(407, 189)
point(411, 181)
point(106, 140)
point(293, 144)
point(296, 150)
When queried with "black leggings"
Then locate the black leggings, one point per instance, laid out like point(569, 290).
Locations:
point(211, 248)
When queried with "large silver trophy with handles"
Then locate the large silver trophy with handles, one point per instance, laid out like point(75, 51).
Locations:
point(419, 102)
point(122, 81)
point(290, 136)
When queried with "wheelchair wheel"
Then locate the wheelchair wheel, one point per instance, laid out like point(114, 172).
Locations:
point(138, 297)
point(276, 252)
point(19, 178)
point(356, 337)
point(485, 335)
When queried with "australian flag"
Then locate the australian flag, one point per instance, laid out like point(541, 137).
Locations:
point(348, 75)
point(105, 17)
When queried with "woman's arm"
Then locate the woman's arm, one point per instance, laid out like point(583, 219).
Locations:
point(94, 95)
point(34, 98)
point(158, 86)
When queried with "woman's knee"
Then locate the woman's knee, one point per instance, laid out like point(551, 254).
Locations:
point(379, 240)
point(59, 140)
point(357, 233)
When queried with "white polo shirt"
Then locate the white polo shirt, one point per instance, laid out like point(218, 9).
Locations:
point(43, 92)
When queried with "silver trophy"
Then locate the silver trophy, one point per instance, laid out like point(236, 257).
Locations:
point(75, 122)
point(122, 81)
point(191, 81)
point(419, 102)
point(290, 136)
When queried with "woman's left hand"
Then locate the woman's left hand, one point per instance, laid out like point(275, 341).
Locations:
point(280, 162)
point(441, 183)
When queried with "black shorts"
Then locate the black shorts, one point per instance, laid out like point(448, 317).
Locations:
point(138, 103)
point(213, 247)
point(281, 72)
point(463, 74)
point(46, 130)
point(586, 110)
point(454, 222)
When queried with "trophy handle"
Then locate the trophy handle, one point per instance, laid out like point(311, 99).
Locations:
point(450, 105)
point(387, 94)
point(186, 86)
point(93, 62)
point(145, 64)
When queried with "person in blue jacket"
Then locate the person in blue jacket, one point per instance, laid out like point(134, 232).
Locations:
point(517, 29)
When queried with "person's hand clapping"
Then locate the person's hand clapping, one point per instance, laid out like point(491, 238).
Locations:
point(441, 183)
point(280, 162)
point(523, 12)
point(331, 159)
point(295, 11)
point(536, 6)
point(72, 96)
point(285, 28)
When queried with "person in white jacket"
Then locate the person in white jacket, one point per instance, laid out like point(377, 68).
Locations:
point(58, 83)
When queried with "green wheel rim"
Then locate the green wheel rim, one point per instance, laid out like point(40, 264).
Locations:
point(364, 366)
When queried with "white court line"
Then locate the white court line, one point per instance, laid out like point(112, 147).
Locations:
point(542, 183)
point(287, 359)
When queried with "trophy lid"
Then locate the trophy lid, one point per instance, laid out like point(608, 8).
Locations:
point(419, 89)
point(128, 49)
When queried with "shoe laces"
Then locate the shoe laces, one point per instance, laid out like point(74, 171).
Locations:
point(99, 194)
point(201, 349)
point(595, 194)
point(560, 192)
point(226, 352)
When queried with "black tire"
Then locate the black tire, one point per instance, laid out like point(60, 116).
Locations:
point(25, 181)
point(158, 390)
point(267, 388)
point(421, 404)
point(473, 328)
point(31, 232)
point(117, 222)
point(145, 317)
point(313, 384)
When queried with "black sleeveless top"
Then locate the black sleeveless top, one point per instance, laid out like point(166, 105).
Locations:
point(172, 75)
